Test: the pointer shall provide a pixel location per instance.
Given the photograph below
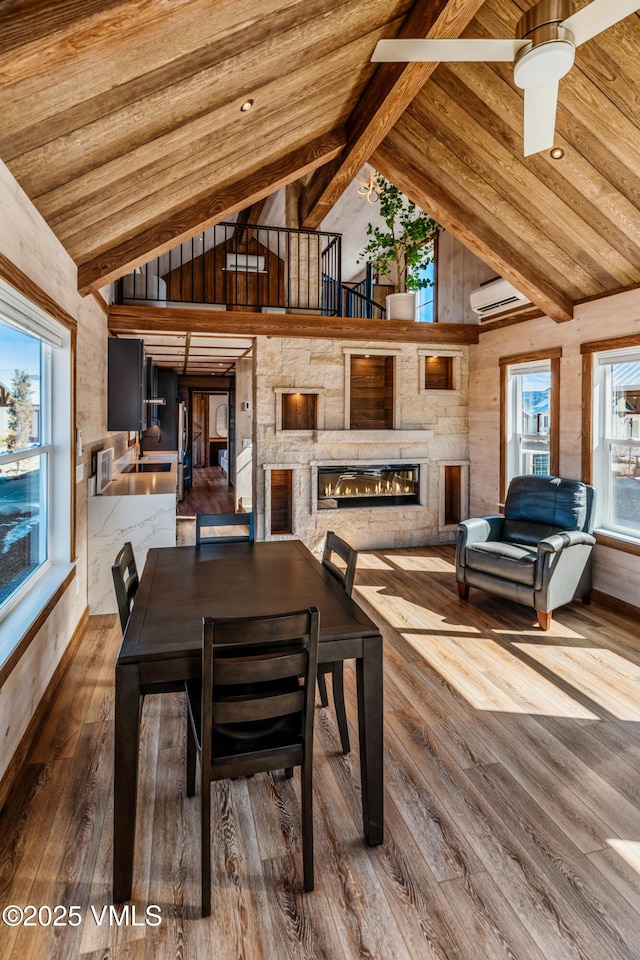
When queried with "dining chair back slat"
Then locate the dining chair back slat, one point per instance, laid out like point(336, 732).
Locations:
point(213, 521)
point(253, 711)
point(335, 546)
point(125, 582)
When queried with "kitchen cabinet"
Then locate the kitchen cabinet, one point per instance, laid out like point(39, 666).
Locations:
point(167, 414)
point(127, 385)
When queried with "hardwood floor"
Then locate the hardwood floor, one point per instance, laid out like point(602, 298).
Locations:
point(512, 817)
point(209, 493)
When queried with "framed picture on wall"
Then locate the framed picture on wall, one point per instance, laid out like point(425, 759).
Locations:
point(104, 468)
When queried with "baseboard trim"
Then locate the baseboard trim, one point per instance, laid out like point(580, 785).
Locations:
point(607, 600)
point(29, 736)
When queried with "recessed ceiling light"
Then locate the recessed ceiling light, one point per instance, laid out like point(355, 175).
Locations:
point(557, 153)
point(246, 106)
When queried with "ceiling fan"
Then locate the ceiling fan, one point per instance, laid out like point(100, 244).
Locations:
point(547, 37)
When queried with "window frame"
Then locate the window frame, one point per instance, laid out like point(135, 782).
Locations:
point(26, 306)
point(595, 433)
point(434, 287)
point(552, 355)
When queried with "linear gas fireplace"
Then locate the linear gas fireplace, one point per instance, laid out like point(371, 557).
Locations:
point(382, 485)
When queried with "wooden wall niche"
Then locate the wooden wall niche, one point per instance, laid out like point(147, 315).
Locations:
point(371, 392)
point(299, 411)
point(454, 494)
point(206, 279)
point(439, 373)
point(281, 502)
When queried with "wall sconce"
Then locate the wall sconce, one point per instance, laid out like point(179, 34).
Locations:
point(371, 191)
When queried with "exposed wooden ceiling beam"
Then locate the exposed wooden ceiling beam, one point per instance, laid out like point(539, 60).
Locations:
point(484, 241)
point(391, 90)
point(172, 228)
point(251, 214)
point(145, 319)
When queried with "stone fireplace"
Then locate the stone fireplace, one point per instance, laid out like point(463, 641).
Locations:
point(358, 485)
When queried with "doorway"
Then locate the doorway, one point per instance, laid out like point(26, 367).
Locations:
point(212, 458)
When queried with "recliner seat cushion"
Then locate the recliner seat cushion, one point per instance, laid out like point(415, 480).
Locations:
point(511, 561)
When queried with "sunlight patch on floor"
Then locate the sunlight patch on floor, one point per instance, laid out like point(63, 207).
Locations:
point(399, 612)
point(491, 678)
point(618, 679)
point(423, 564)
point(368, 561)
point(629, 850)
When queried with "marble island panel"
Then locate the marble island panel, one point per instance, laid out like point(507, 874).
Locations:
point(135, 507)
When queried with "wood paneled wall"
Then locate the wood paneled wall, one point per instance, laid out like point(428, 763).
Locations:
point(29, 247)
point(205, 279)
point(459, 272)
point(371, 393)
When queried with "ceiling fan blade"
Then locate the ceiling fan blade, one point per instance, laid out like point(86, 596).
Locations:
point(451, 51)
point(539, 118)
point(598, 16)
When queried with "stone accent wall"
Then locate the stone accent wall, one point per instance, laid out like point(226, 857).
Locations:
point(431, 429)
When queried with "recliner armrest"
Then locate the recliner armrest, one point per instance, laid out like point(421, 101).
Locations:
point(478, 530)
point(568, 538)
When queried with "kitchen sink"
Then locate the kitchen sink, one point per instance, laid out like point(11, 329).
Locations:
point(161, 467)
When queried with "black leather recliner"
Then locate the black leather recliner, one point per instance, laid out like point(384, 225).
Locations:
point(539, 553)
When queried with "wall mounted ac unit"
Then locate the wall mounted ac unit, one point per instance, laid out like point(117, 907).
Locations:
point(495, 297)
point(245, 263)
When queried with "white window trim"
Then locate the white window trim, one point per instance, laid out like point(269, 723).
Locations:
point(514, 438)
point(22, 608)
point(602, 441)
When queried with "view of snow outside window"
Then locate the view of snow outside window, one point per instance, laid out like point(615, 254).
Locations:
point(23, 461)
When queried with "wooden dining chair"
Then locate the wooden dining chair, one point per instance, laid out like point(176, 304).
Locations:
point(204, 521)
point(252, 711)
point(335, 546)
point(125, 581)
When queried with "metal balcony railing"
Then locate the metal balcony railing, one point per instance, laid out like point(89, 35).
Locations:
point(245, 266)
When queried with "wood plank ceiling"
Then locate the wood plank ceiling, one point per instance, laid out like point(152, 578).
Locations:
point(121, 120)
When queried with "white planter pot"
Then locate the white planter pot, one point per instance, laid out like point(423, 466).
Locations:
point(137, 286)
point(401, 306)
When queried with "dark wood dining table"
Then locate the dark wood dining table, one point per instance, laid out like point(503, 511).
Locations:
point(162, 647)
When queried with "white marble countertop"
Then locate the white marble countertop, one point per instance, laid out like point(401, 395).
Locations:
point(143, 484)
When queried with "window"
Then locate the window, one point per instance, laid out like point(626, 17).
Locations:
point(34, 446)
point(530, 391)
point(616, 451)
point(426, 297)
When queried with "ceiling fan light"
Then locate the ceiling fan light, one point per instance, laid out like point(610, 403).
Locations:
point(542, 65)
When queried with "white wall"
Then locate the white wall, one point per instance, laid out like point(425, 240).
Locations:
point(616, 573)
point(27, 242)
point(215, 402)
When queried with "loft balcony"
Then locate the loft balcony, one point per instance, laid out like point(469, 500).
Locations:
point(253, 268)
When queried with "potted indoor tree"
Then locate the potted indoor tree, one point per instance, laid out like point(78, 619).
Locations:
point(402, 250)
